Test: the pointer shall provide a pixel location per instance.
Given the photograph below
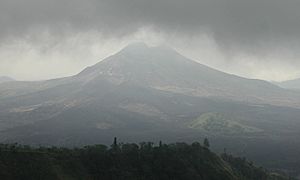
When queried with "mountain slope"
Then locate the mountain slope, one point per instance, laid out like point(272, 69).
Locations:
point(164, 69)
point(146, 82)
point(153, 93)
point(142, 82)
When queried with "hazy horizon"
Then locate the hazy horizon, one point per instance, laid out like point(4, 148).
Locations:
point(68, 74)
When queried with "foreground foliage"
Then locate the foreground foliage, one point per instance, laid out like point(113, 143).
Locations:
point(126, 162)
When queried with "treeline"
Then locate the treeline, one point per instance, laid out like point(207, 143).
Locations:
point(126, 161)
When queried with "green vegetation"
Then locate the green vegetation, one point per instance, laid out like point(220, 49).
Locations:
point(220, 123)
point(126, 161)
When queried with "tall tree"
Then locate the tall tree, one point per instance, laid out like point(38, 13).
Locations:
point(206, 143)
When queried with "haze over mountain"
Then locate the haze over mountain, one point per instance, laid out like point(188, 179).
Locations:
point(164, 69)
point(291, 84)
point(254, 39)
point(81, 73)
point(154, 93)
point(5, 79)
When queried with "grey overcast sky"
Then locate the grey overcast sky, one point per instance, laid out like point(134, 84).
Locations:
point(42, 39)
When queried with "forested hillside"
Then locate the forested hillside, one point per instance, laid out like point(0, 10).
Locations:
point(126, 161)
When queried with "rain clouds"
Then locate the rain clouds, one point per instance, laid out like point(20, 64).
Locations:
point(252, 38)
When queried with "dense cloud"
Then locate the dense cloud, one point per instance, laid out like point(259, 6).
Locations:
point(255, 27)
point(230, 21)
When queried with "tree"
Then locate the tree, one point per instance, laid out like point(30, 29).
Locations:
point(115, 146)
point(115, 141)
point(206, 143)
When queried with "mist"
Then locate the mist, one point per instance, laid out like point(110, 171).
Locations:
point(257, 39)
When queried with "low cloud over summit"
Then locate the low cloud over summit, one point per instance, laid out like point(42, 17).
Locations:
point(259, 36)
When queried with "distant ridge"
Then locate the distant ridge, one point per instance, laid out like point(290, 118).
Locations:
point(290, 84)
point(5, 79)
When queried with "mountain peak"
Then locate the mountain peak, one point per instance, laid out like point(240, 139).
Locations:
point(136, 45)
point(140, 48)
